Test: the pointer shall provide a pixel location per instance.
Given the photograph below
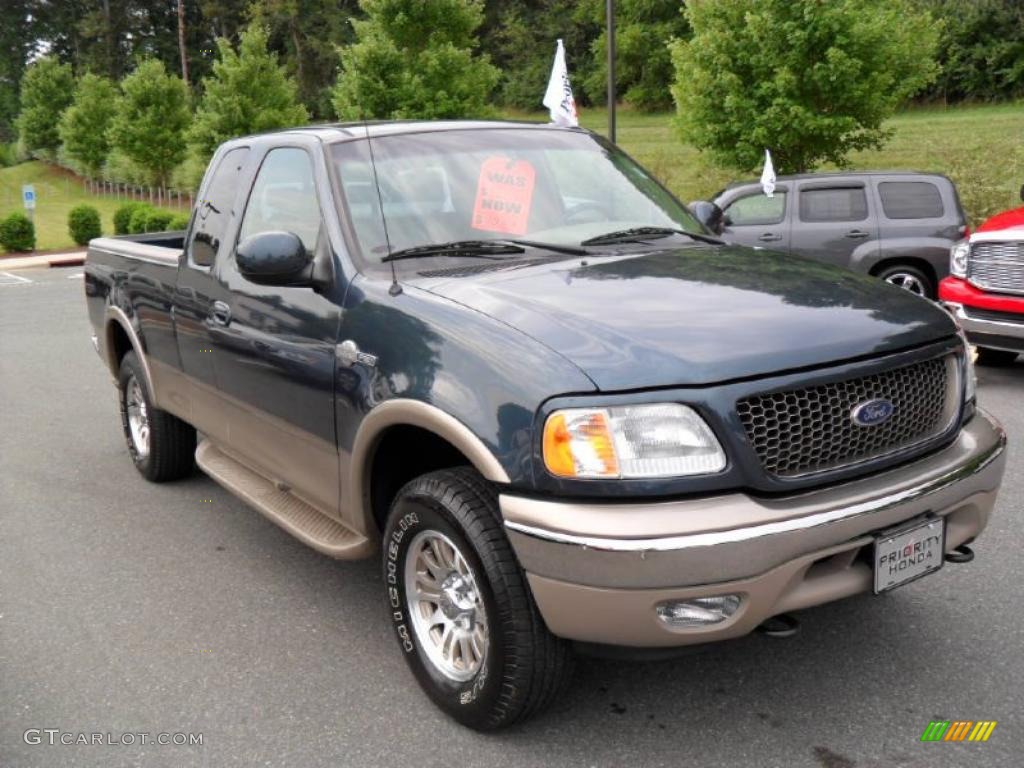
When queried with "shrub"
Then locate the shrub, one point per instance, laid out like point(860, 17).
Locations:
point(179, 222)
point(123, 217)
point(17, 233)
point(158, 221)
point(84, 224)
point(137, 223)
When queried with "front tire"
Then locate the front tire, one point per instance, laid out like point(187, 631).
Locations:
point(461, 606)
point(161, 445)
point(995, 357)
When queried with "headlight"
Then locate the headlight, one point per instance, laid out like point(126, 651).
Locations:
point(632, 441)
point(971, 377)
point(958, 258)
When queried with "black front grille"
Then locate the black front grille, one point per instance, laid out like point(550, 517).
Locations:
point(802, 431)
point(998, 317)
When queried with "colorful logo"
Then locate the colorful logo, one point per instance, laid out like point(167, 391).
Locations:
point(958, 730)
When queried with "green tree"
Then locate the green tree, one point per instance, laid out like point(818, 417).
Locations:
point(247, 92)
point(643, 63)
point(307, 34)
point(981, 50)
point(46, 91)
point(809, 80)
point(150, 120)
point(84, 126)
point(521, 38)
point(15, 42)
point(396, 69)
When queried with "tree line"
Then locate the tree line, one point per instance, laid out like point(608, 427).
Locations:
point(143, 90)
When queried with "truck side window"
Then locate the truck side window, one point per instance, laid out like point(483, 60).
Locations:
point(757, 209)
point(836, 204)
point(910, 200)
point(214, 209)
point(284, 197)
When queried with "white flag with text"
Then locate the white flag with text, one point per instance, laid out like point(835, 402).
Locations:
point(558, 97)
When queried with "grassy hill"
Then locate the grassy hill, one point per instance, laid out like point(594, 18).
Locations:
point(57, 192)
point(980, 147)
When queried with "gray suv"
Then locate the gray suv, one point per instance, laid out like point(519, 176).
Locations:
point(898, 226)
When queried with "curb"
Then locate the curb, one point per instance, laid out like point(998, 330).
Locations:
point(71, 259)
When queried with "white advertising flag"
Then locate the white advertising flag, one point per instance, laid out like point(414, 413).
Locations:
point(558, 97)
point(768, 175)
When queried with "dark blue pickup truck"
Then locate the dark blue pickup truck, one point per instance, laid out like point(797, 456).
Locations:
point(505, 358)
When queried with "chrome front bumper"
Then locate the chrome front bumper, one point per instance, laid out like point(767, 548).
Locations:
point(988, 333)
point(599, 571)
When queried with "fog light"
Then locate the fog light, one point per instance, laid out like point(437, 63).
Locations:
point(698, 611)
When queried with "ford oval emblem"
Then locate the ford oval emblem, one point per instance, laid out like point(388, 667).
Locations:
point(871, 413)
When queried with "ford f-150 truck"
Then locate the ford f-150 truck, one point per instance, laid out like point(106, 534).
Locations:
point(505, 358)
point(985, 289)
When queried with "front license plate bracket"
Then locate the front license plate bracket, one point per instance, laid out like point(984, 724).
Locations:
point(908, 552)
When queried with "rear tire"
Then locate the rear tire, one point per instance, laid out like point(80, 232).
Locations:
point(162, 446)
point(444, 540)
point(911, 279)
point(995, 357)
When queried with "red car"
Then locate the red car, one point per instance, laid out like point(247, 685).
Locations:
point(985, 289)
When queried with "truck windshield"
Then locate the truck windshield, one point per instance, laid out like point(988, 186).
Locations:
point(547, 186)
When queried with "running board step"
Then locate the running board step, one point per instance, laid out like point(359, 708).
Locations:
point(304, 522)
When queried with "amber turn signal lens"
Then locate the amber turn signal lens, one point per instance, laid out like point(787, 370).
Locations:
point(578, 443)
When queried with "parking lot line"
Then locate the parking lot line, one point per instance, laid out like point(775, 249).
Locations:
point(6, 278)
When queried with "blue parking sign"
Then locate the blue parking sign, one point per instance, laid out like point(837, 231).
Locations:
point(28, 196)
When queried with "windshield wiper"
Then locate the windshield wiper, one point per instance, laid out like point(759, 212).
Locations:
point(640, 234)
point(477, 248)
point(481, 249)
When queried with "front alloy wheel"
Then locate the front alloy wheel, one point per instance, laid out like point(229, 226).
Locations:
point(461, 606)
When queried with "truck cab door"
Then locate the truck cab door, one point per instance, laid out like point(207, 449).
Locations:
point(198, 294)
point(756, 220)
point(275, 351)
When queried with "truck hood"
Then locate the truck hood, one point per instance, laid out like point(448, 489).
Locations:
point(696, 315)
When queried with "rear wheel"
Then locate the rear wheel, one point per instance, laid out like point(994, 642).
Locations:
point(995, 357)
point(909, 279)
point(461, 606)
point(162, 446)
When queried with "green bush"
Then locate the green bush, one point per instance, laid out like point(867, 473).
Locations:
point(17, 233)
point(84, 224)
point(158, 221)
point(123, 217)
point(179, 222)
point(139, 217)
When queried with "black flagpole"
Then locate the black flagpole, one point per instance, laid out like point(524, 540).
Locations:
point(610, 15)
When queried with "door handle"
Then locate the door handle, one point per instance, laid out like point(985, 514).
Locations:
point(769, 237)
point(857, 234)
point(220, 313)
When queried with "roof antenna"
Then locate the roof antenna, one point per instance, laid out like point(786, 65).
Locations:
point(395, 288)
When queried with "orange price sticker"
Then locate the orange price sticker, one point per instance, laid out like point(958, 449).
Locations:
point(504, 193)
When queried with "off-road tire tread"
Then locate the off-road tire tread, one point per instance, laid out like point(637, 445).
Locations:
point(539, 665)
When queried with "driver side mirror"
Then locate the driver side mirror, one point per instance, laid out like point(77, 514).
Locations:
point(708, 214)
point(275, 258)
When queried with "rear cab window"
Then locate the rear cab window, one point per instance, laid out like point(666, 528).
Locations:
point(214, 209)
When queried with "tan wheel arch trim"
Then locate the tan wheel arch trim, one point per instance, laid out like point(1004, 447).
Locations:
point(117, 315)
point(412, 413)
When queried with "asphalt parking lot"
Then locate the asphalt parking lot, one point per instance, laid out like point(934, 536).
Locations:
point(127, 607)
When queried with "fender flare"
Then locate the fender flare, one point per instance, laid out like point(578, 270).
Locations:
point(117, 315)
point(412, 413)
